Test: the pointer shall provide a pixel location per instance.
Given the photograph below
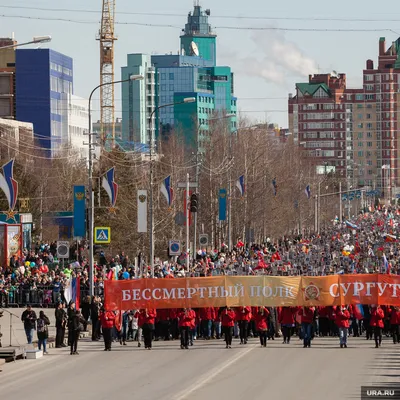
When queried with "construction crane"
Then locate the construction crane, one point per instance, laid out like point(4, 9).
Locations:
point(106, 38)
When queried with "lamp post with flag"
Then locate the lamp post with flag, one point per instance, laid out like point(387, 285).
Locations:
point(91, 145)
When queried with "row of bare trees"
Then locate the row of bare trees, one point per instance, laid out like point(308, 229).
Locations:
point(223, 157)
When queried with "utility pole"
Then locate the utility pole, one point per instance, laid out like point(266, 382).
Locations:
point(187, 222)
point(340, 203)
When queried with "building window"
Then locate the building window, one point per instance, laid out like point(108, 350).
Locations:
point(171, 87)
point(359, 97)
point(171, 76)
point(369, 144)
point(369, 78)
point(163, 88)
point(360, 154)
point(368, 115)
point(163, 76)
point(369, 135)
point(360, 116)
point(369, 87)
point(369, 97)
point(360, 125)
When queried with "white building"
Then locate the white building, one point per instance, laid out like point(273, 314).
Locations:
point(78, 124)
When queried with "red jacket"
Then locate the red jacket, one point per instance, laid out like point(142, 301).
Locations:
point(243, 314)
point(394, 316)
point(148, 317)
point(187, 318)
point(107, 319)
point(139, 317)
point(342, 318)
point(228, 318)
point(261, 318)
point(287, 315)
point(323, 312)
point(307, 315)
point(163, 315)
point(377, 316)
point(207, 314)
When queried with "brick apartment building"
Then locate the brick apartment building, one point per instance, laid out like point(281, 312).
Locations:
point(352, 132)
point(7, 79)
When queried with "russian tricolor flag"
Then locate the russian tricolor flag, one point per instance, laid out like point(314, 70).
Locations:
point(240, 185)
point(167, 190)
point(351, 225)
point(8, 184)
point(110, 186)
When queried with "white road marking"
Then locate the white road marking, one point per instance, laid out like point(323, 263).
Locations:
point(212, 374)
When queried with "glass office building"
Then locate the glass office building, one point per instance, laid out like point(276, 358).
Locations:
point(193, 73)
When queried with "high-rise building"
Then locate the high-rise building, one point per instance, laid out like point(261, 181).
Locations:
point(353, 131)
point(139, 99)
point(44, 96)
point(171, 78)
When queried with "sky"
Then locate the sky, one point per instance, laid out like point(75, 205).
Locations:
point(269, 45)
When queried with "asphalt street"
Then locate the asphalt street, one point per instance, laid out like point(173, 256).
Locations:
point(205, 371)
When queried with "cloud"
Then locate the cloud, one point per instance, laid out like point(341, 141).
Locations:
point(277, 59)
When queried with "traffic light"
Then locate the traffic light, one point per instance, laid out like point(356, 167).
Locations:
point(194, 203)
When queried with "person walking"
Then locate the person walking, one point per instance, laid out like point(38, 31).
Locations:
point(377, 324)
point(243, 316)
point(139, 316)
point(394, 313)
point(42, 329)
point(287, 319)
point(107, 319)
point(227, 322)
point(261, 320)
point(77, 326)
point(61, 323)
point(307, 318)
point(186, 318)
point(149, 315)
point(343, 324)
point(29, 318)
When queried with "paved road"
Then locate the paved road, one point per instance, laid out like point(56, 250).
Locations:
point(206, 371)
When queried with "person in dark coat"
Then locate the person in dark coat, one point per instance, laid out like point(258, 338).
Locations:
point(42, 324)
point(75, 327)
point(86, 308)
point(61, 322)
point(29, 319)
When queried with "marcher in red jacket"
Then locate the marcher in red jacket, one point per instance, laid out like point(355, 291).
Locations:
point(394, 313)
point(207, 316)
point(148, 317)
point(261, 319)
point(228, 322)
point(186, 324)
point(287, 319)
point(307, 318)
point(323, 319)
point(107, 319)
point(342, 322)
point(162, 325)
point(377, 324)
point(243, 316)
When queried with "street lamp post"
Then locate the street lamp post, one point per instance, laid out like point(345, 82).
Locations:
point(185, 100)
point(35, 40)
point(91, 197)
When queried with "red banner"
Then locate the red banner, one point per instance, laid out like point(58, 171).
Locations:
point(252, 291)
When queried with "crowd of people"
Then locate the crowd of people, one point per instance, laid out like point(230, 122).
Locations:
point(366, 244)
point(188, 325)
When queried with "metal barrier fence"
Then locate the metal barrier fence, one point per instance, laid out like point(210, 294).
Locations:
point(38, 297)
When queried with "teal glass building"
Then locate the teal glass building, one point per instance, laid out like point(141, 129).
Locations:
point(171, 78)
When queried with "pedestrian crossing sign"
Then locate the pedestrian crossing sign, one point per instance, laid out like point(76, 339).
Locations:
point(102, 235)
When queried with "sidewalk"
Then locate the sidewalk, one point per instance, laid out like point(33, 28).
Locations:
point(18, 337)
